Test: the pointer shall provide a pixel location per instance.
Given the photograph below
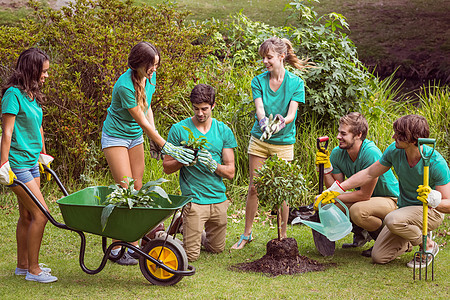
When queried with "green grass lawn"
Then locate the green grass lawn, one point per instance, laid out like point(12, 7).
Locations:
point(353, 276)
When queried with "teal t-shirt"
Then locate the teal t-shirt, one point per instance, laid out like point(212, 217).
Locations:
point(26, 141)
point(410, 178)
point(387, 184)
point(119, 123)
point(197, 181)
point(292, 89)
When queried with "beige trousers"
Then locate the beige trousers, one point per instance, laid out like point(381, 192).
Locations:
point(403, 229)
point(369, 214)
point(209, 217)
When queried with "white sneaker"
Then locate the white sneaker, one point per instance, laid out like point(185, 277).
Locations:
point(23, 272)
point(43, 277)
point(422, 261)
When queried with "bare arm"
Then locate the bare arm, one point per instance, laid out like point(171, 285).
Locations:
point(7, 130)
point(150, 117)
point(364, 193)
point(148, 128)
point(293, 106)
point(171, 165)
point(227, 169)
point(260, 112)
point(363, 177)
point(444, 206)
point(330, 178)
point(43, 141)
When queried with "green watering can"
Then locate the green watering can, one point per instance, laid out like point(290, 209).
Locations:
point(334, 224)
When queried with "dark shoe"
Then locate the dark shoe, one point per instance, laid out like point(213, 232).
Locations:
point(134, 255)
point(368, 252)
point(359, 240)
point(176, 225)
point(127, 260)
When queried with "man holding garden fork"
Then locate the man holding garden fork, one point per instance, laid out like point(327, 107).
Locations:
point(203, 180)
point(403, 226)
point(370, 202)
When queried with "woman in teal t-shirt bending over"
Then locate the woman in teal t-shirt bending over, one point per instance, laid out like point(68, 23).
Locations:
point(277, 93)
point(21, 146)
point(129, 115)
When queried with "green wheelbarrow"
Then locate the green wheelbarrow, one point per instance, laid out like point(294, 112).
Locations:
point(162, 261)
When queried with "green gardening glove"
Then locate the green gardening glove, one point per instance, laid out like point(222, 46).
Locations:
point(181, 154)
point(205, 158)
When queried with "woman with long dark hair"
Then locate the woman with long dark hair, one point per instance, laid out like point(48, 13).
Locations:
point(22, 146)
point(129, 116)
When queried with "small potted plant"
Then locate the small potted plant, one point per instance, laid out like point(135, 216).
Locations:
point(194, 143)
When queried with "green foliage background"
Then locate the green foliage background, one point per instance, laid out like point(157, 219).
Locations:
point(89, 41)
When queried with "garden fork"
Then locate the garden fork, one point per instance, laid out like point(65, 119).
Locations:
point(419, 255)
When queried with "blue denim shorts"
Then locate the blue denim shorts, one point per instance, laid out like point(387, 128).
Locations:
point(26, 175)
point(111, 141)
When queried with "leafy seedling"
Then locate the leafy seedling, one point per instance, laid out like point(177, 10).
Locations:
point(193, 142)
point(129, 197)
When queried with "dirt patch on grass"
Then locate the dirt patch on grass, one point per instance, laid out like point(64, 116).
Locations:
point(282, 258)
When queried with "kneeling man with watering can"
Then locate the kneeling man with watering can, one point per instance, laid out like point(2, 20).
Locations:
point(403, 226)
point(370, 202)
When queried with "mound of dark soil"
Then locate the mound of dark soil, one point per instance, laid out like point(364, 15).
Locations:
point(282, 258)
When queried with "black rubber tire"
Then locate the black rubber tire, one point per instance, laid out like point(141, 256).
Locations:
point(173, 256)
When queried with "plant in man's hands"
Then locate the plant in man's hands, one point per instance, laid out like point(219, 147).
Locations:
point(193, 142)
point(278, 181)
point(123, 197)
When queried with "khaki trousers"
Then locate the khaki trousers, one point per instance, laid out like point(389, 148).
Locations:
point(210, 217)
point(403, 229)
point(369, 214)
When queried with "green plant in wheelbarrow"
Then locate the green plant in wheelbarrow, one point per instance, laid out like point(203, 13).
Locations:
point(129, 197)
point(279, 181)
point(194, 143)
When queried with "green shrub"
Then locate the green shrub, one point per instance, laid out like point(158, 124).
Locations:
point(89, 42)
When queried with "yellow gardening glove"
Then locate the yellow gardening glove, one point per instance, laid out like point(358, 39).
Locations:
point(323, 158)
point(7, 176)
point(429, 196)
point(45, 159)
point(329, 195)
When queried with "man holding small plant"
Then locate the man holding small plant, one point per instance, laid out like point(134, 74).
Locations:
point(203, 180)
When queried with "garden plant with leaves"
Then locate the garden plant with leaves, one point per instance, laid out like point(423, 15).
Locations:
point(277, 181)
point(129, 197)
point(193, 142)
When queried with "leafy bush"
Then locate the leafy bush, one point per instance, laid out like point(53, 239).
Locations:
point(279, 181)
point(339, 79)
point(89, 42)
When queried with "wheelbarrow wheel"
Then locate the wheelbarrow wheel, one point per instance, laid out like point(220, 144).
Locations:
point(172, 255)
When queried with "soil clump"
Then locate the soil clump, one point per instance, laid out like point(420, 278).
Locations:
point(282, 258)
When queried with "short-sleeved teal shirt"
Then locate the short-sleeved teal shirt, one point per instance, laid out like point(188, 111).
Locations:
point(387, 184)
point(119, 122)
point(411, 177)
point(292, 89)
point(197, 181)
point(26, 141)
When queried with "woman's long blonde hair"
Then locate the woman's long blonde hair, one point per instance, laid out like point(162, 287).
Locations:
point(284, 46)
point(142, 54)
